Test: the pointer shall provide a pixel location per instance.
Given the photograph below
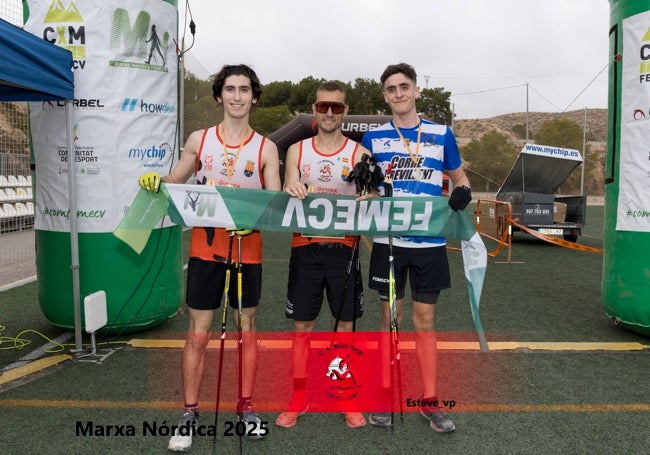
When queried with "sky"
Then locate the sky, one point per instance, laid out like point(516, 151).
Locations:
point(495, 57)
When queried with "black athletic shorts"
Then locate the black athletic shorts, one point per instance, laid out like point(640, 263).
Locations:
point(322, 267)
point(206, 281)
point(426, 268)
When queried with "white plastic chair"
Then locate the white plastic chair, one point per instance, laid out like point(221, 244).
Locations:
point(9, 210)
point(21, 210)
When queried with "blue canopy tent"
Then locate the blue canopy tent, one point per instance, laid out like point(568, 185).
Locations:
point(36, 70)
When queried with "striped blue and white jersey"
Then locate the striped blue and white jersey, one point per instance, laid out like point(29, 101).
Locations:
point(416, 174)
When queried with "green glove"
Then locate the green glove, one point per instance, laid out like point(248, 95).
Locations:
point(150, 181)
point(240, 232)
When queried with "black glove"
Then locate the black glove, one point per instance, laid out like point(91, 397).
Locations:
point(359, 174)
point(388, 187)
point(460, 197)
point(366, 174)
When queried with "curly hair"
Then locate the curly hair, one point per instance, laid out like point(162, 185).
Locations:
point(219, 79)
point(404, 68)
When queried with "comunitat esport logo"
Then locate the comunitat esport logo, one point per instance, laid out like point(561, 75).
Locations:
point(153, 156)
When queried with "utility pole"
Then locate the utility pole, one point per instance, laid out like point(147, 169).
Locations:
point(453, 114)
point(526, 111)
point(584, 153)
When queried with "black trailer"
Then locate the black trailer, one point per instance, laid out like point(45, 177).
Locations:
point(530, 188)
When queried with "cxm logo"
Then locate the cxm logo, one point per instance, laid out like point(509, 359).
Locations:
point(64, 26)
point(140, 105)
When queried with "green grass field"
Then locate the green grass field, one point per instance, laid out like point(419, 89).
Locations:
point(512, 401)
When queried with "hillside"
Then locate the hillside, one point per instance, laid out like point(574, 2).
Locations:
point(468, 129)
point(513, 126)
point(13, 126)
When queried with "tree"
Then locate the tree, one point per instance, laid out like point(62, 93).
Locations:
point(560, 133)
point(520, 131)
point(195, 88)
point(200, 110)
point(303, 95)
point(434, 104)
point(365, 97)
point(200, 114)
point(566, 134)
point(276, 94)
point(489, 159)
point(266, 120)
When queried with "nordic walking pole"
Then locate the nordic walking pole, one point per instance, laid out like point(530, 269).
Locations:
point(348, 272)
point(224, 312)
point(367, 176)
point(357, 283)
point(392, 305)
point(240, 354)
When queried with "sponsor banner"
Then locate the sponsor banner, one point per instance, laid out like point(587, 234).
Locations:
point(124, 111)
point(556, 152)
point(633, 212)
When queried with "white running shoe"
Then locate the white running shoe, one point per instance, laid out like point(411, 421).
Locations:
point(255, 428)
point(181, 441)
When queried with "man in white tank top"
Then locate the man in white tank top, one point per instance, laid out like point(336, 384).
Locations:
point(228, 154)
point(321, 164)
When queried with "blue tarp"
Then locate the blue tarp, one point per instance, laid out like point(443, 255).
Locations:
point(33, 69)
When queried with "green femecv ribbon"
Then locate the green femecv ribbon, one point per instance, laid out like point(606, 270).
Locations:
point(316, 215)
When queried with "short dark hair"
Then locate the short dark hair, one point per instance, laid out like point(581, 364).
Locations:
point(236, 70)
point(331, 86)
point(404, 68)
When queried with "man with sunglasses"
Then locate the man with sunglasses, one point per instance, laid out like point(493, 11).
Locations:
point(321, 164)
point(414, 153)
point(221, 156)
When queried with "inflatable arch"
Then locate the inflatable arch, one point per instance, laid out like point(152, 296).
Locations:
point(80, 199)
point(626, 261)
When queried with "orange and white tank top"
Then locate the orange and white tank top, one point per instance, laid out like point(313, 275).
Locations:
point(236, 165)
point(326, 173)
